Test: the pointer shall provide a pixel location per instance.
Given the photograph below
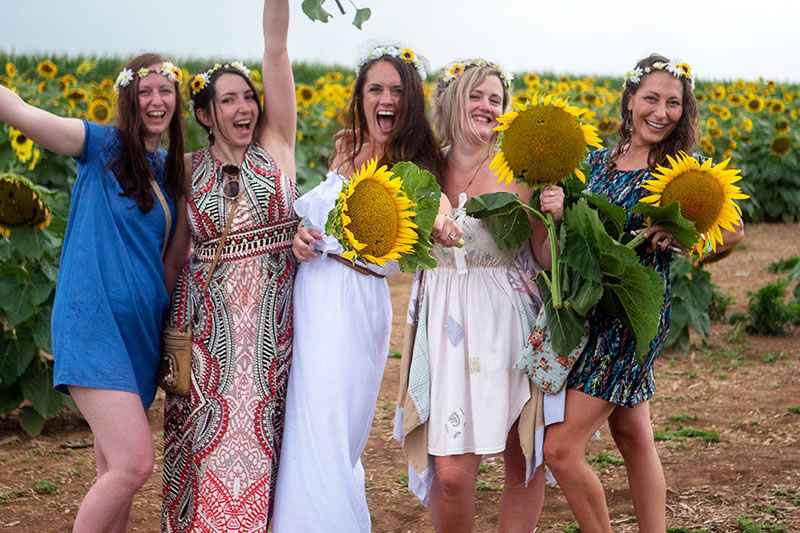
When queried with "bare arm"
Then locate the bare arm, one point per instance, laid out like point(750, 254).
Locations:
point(280, 104)
point(180, 247)
point(61, 135)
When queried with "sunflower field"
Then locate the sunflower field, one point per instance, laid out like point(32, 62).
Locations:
point(756, 123)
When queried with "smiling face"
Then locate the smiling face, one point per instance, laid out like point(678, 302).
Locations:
point(656, 108)
point(382, 92)
point(485, 104)
point(156, 105)
point(233, 114)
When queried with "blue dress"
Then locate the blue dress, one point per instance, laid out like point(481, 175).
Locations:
point(110, 295)
point(607, 368)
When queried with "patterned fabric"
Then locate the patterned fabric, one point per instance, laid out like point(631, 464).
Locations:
point(222, 443)
point(608, 369)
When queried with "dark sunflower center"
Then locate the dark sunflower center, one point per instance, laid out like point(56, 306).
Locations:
point(701, 197)
point(781, 145)
point(544, 145)
point(100, 112)
point(373, 218)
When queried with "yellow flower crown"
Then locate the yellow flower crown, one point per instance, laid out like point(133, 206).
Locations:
point(406, 54)
point(454, 70)
point(167, 68)
point(200, 81)
point(679, 69)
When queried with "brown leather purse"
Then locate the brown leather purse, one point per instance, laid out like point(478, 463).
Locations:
point(175, 367)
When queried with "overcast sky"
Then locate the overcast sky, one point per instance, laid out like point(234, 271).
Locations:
point(719, 39)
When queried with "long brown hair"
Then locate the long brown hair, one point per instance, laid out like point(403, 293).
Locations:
point(129, 161)
point(682, 138)
point(412, 138)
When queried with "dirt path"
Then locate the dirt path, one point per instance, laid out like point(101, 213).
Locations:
point(743, 464)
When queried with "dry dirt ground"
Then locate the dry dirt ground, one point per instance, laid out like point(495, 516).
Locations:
point(740, 465)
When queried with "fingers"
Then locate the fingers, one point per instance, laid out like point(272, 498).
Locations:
point(445, 231)
point(303, 243)
point(661, 239)
point(551, 200)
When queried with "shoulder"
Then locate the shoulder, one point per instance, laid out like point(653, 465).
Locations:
point(598, 157)
point(100, 140)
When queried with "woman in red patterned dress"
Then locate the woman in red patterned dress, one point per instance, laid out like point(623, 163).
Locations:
point(222, 442)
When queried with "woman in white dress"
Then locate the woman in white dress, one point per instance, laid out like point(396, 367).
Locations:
point(343, 312)
point(460, 398)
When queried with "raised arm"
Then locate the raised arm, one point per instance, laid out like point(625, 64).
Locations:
point(279, 97)
point(61, 135)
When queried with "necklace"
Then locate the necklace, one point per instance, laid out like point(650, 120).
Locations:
point(475, 173)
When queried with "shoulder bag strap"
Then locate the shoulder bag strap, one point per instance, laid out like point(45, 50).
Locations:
point(167, 214)
point(231, 211)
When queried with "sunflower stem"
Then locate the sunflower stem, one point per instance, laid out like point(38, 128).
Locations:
point(555, 267)
point(636, 241)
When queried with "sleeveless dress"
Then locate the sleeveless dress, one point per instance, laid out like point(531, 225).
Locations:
point(469, 322)
point(607, 368)
point(342, 327)
point(222, 442)
point(110, 297)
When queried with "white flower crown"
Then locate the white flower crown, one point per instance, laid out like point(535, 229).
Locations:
point(200, 81)
point(406, 54)
point(676, 67)
point(456, 69)
point(167, 68)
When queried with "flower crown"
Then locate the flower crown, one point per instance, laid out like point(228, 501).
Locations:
point(679, 69)
point(455, 70)
point(406, 54)
point(167, 68)
point(200, 81)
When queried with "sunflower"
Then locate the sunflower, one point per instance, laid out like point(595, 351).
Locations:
point(199, 82)
point(788, 97)
point(100, 110)
point(706, 194)
point(334, 77)
point(589, 98)
point(11, 70)
point(21, 204)
point(543, 143)
point(305, 94)
point(715, 132)
point(76, 96)
point(747, 125)
point(374, 215)
point(531, 79)
point(66, 81)
point(21, 144)
point(701, 98)
point(718, 93)
point(608, 125)
point(707, 146)
point(781, 145)
point(776, 106)
point(735, 99)
point(781, 126)
point(408, 55)
point(85, 67)
point(755, 104)
point(711, 122)
point(725, 113)
point(47, 69)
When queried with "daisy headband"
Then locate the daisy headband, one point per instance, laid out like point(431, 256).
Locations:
point(454, 70)
point(167, 68)
point(406, 54)
point(200, 81)
point(679, 69)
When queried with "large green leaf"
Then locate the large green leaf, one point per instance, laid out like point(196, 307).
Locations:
point(670, 219)
point(582, 235)
point(10, 398)
point(314, 10)
point(27, 296)
point(362, 15)
point(37, 386)
point(614, 214)
point(505, 217)
point(15, 356)
point(31, 421)
point(565, 325)
point(40, 329)
point(422, 189)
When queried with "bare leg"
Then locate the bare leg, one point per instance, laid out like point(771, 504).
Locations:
point(125, 457)
point(565, 452)
point(452, 503)
point(633, 433)
point(520, 505)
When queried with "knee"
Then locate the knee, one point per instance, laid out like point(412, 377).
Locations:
point(136, 469)
point(630, 443)
point(454, 484)
point(558, 454)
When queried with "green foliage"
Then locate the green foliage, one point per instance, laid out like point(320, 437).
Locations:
point(767, 311)
point(719, 304)
point(314, 10)
point(782, 266)
point(691, 296)
point(669, 218)
point(748, 526)
point(683, 433)
point(422, 188)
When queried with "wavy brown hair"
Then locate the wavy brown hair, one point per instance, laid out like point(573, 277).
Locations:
point(682, 138)
point(412, 138)
point(129, 160)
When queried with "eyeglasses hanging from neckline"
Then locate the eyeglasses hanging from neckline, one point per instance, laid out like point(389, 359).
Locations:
point(230, 181)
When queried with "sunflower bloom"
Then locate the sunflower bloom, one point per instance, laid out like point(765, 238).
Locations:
point(543, 143)
point(781, 145)
point(706, 194)
point(25, 204)
point(47, 69)
point(375, 216)
point(100, 110)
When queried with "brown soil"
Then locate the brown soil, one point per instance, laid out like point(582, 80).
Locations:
point(739, 386)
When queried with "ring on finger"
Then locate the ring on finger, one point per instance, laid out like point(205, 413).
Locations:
point(451, 237)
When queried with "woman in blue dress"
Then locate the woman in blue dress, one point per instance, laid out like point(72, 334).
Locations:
point(659, 117)
point(111, 296)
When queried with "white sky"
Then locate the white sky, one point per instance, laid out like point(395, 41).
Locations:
point(720, 39)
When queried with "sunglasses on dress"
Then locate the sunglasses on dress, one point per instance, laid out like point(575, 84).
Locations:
point(230, 181)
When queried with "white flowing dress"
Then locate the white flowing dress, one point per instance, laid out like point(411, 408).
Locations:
point(342, 323)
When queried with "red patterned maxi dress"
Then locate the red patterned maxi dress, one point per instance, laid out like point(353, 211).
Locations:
point(222, 443)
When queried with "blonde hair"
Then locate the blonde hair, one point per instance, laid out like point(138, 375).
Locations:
point(450, 116)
